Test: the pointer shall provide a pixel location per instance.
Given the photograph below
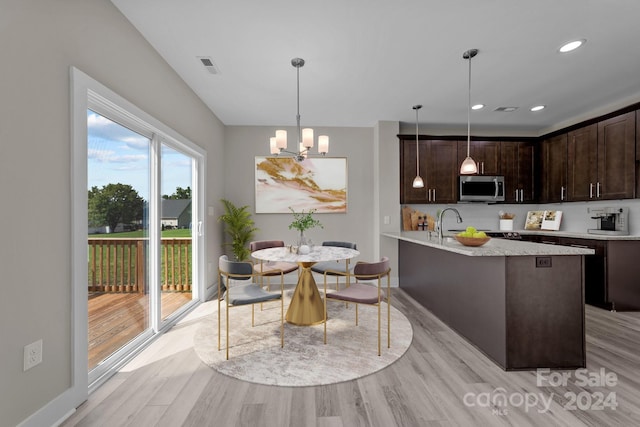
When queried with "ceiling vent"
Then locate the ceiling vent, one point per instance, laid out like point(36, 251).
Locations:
point(209, 64)
point(506, 109)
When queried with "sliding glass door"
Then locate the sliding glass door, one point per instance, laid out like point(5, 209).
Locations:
point(177, 226)
point(143, 209)
point(118, 177)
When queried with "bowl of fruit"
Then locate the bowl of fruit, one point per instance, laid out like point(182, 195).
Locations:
point(472, 237)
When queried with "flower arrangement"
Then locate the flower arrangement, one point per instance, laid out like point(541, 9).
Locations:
point(304, 220)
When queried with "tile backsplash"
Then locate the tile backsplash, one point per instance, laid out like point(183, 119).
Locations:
point(574, 214)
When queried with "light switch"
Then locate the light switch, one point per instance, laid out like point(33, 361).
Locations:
point(386, 219)
point(211, 211)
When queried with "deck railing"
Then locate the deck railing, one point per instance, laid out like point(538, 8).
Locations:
point(119, 265)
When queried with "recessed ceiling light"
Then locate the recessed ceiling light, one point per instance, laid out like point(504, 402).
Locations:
point(537, 108)
point(477, 107)
point(572, 45)
point(506, 109)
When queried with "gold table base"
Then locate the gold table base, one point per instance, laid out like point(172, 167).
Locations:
point(306, 307)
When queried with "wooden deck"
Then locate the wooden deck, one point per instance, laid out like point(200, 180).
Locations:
point(117, 318)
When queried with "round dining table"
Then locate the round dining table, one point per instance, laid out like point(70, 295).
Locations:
point(306, 307)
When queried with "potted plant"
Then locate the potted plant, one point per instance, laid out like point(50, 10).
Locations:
point(240, 228)
point(303, 221)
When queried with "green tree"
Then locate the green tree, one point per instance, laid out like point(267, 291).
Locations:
point(180, 194)
point(113, 204)
point(240, 227)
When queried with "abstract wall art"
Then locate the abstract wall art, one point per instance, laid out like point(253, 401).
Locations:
point(314, 183)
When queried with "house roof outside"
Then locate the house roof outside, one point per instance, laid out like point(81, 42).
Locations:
point(172, 208)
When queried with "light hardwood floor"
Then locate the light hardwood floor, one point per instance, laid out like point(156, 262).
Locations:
point(168, 385)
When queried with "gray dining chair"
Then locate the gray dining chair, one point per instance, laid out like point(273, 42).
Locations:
point(335, 268)
point(241, 289)
point(363, 293)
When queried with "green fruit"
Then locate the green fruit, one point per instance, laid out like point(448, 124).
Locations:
point(471, 230)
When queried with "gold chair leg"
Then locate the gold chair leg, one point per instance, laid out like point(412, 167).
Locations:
point(227, 314)
point(388, 314)
point(218, 313)
point(357, 314)
point(378, 328)
point(325, 309)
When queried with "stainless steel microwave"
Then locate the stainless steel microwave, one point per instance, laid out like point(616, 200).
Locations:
point(481, 188)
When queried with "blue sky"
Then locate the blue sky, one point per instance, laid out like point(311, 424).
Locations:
point(116, 154)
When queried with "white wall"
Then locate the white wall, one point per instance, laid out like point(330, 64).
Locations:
point(39, 42)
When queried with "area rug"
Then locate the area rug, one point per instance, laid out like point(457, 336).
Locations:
point(255, 354)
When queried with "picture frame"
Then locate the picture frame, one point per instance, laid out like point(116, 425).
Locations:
point(551, 220)
point(283, 183)
point(534, 220)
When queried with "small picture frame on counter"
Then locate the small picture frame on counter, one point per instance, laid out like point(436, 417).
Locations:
point(551, 220)
point(534, 220)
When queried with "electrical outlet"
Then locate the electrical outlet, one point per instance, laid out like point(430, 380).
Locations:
point(543, 262)
point(32, 354)
point(387, 219)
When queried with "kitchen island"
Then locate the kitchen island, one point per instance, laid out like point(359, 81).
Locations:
point(521, 303)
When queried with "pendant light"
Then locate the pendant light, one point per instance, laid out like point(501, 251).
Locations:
point(417, 181)
point(469, 166)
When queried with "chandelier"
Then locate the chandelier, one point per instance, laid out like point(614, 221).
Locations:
point(278, 143)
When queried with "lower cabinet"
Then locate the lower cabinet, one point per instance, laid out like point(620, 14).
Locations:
point(612, 274)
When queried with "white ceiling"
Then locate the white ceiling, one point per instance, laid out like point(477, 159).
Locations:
point(371, 60)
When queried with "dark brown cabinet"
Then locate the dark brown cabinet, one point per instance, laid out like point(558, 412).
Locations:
point(610, 275)
point(438, 169)
point(601, 160)
point(554, 169)
point(485, 153)
point(517, 164)
point(582, 163)
point(616, 154)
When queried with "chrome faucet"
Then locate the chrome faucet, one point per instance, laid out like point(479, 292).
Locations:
point(439, 223)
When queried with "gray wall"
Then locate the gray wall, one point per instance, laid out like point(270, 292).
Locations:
point(39, 42)
point(243, 143)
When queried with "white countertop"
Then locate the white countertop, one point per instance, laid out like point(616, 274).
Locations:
point(494, 247)
point(576, 235)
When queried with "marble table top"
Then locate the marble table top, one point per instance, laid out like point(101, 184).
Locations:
point(317, 254)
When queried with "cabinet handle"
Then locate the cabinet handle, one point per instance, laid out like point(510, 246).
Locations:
point(516, 195)
point(548, 242)
point(482, 163)
point(579, 246)
point(598, 190)
point(429, 194)
point(521, 195)
point(591, 190)
point(562, 193)
point(434, 194)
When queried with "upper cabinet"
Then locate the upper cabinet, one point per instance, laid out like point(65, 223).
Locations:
point(601, 160)
point(517, 164)
point(553, 169)
point(616, 157)
point(485, 153)
point(596, 161)
point(438, 169)
point(582, 163)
